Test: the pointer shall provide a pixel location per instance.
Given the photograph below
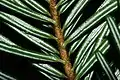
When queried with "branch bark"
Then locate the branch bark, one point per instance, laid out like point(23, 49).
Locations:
point(60, 40)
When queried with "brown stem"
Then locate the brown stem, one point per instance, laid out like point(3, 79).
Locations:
point(59, 34)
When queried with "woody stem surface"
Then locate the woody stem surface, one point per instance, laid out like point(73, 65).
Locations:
point(60, 41)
